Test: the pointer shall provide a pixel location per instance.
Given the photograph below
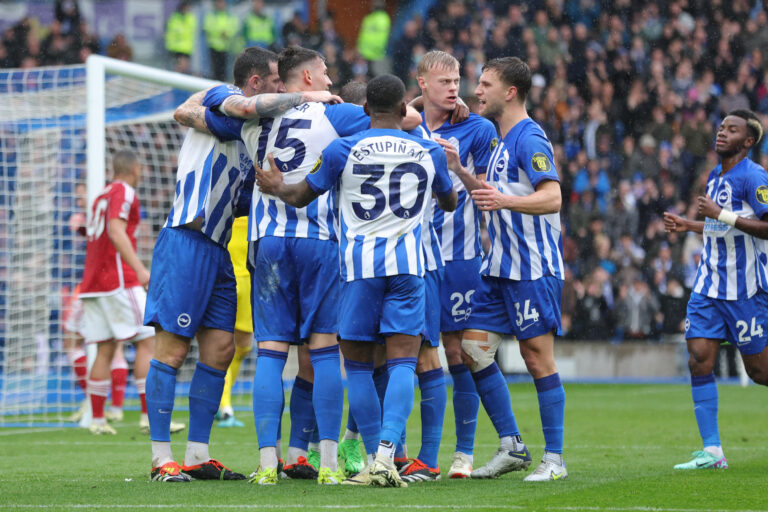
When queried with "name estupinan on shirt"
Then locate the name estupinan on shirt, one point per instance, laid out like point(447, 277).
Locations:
point(414, 151)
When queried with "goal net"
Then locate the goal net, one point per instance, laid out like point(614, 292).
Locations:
point(54, 156)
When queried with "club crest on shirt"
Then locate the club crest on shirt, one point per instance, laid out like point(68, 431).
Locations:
point(317, 165)
point(724, 196)
point(540, 162)
point(762, 194)
point(494, 143)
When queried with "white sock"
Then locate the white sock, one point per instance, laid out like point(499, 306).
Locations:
point(329, 453)
point(197, 453)
point(268, 456)
point(554, 458)
point(351, 435)
point(717, 451)
point(144, 418)
point(116, 410)
point(99, 421)
point(469, 456)
point(370, 457)
point(294, 454)
point(512, 443)
point(386, 449)
point(161, 453)
point(279, 449)
point(314, 447)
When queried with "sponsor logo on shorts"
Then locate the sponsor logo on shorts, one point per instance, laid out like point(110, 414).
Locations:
point(762, 194)
point(540, 162)
point(184, 320)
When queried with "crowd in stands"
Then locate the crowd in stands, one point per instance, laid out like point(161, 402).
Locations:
point(629, 92)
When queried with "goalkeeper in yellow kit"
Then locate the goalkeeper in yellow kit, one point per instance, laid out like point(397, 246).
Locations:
point(238, 251)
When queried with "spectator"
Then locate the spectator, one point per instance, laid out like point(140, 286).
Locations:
point(181, 36)
point(258, 27)
point(220, 29)
point(373, 38)
point(119, 49)
point(636, 310)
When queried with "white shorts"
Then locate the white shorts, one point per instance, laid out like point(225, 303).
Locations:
point(119, 317)
point(75, 317)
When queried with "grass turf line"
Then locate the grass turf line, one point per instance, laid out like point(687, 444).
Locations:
point(621, 442)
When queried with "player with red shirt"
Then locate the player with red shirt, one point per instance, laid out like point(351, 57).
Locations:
point(113, 283)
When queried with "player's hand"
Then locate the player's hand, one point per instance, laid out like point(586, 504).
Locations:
point(269, 181)
point(707, 207)
point(674, 223)
point(460, 111)
point(454, 160)
point(321, 97)
point(143, 277)
point(489, 198)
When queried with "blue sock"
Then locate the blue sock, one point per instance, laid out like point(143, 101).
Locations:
point(398, 401)
point(351, 425)
point(494, 394)
point(552, 411)
point(161, 389)
point(466, 404)
point(363, 402)
point(268, 395)
point(433, 398)
point(204, 399)
point(380, 379)
point(302, 414)
point(704, 391)
point(329, 393)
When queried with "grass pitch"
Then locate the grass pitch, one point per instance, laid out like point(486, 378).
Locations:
point(621, 442)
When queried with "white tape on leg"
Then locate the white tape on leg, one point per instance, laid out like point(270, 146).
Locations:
point(481, 347)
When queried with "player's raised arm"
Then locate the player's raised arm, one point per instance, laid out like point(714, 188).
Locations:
point(191, 113)
point(270, 181)
point(271, 105)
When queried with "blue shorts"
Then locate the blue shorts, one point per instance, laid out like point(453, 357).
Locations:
point(461, 281)
point(525, 309)
point(375, 308)
point(744, 323)
point(295, 288)
point(432, 285)
point(191, 285)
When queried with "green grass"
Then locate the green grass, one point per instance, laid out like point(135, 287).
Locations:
point(621, 443)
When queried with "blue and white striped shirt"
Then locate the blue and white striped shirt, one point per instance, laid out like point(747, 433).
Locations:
point(385, 179)
point(459, 231)
point(733, 263)
point(213, 176)
point(296, 139)
point(523, 247)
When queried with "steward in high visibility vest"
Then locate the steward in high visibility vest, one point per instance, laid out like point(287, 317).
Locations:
point(374, 34)
point(181, 31)
point(220, 31)
point(258, 28)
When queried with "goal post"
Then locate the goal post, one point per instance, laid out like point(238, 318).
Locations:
point(59, 127)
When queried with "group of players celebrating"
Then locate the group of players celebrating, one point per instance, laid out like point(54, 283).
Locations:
point(363, 235)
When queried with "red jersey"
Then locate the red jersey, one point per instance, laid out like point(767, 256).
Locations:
point(105, 271)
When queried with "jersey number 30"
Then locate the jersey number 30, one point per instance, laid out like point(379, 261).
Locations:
point(369, 188)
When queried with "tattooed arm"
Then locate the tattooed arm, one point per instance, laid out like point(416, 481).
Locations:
point(272, 105)
point(191, 113)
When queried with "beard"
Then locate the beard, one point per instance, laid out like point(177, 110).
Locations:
point(728, 153)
